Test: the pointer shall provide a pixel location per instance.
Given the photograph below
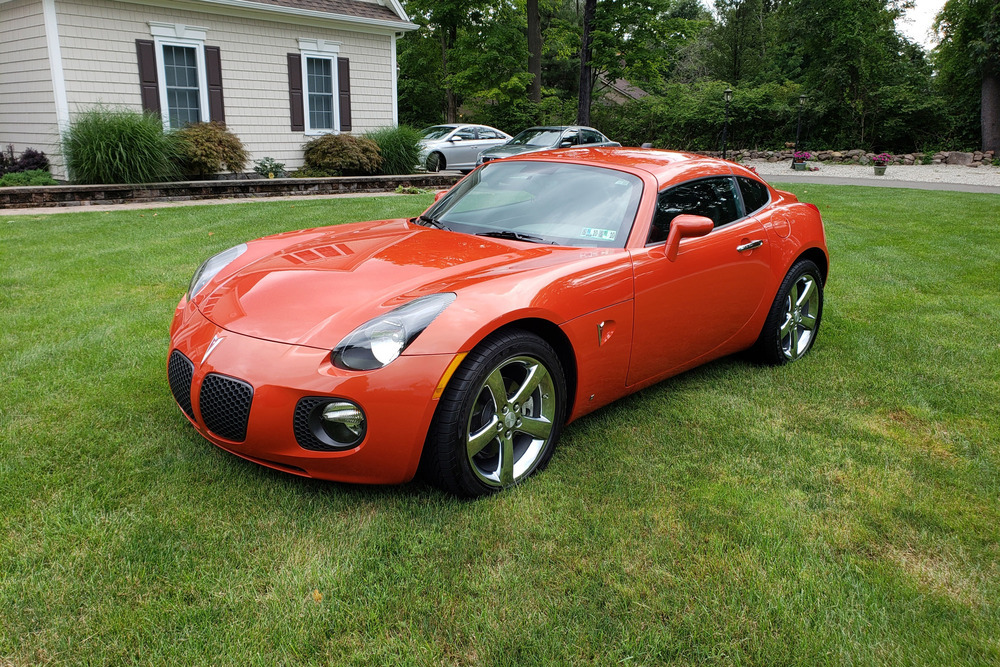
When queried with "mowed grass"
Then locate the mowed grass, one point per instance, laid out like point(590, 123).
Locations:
point(841, 510)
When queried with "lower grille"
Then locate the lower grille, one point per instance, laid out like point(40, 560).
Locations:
point(224, 403)
point(180, 371)
point(304, 434)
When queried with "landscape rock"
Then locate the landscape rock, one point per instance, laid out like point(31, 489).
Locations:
point(957, 157)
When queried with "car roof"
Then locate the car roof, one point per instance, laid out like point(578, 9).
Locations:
point(666, 166)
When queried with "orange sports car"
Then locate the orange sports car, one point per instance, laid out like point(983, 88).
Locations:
point(460, 342)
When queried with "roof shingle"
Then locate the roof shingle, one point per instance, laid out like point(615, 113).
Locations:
point(366, 10)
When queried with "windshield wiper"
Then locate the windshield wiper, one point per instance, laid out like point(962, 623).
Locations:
point(428, 221)
point(515, 236)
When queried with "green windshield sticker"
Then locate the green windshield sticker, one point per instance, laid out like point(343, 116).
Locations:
point(602, 234)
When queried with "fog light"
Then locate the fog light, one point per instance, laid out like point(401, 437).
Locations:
point(342, 422)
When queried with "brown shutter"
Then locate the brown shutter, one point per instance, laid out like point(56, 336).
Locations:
point(295, 92)
point(213, 72)
point(149, 85)
point(344, 83)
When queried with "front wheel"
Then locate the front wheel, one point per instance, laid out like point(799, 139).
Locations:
point(793, 321)
point(435, 162)
point(500, 416)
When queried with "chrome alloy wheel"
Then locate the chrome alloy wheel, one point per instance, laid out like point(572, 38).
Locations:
point(511, 421)
point(801, 312)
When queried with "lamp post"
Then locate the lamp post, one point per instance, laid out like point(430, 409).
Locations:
point(728, 95)
point(798, 129)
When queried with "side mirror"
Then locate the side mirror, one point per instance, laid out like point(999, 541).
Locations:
point(439, 194)
point(565, 143)
point(456, 138)
point(686, 226)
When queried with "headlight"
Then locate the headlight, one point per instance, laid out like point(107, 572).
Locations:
point(378, 342)
point(212, 266)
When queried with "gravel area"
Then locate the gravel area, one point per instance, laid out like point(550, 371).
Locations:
point(918, 173)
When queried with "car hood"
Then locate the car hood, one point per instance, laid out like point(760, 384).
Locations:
point(314, 287)
point(506, 150)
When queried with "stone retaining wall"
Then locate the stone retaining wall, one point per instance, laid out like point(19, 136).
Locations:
point(85, 195)
point(858, 156)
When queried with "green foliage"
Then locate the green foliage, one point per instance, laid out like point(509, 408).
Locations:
point(269, 168)
point(27, 178)
point(342, 155)
point(205, 148)
point(109, 145)
point(399, 147)
point(968, 54)
point(690, 117)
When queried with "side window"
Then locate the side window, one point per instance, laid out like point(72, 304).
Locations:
point(487, 133)
point(714, 198)
point(755, 194)
point(572, 136)
point(467, 133)
point(591, 137)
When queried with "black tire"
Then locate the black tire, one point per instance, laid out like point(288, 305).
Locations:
point(790, 330)
point(436, 162)
point(513, 442)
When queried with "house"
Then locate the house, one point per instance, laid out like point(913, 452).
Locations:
point(277, 72)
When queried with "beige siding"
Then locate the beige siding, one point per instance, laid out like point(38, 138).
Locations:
point(99, 60)
point(27, 103)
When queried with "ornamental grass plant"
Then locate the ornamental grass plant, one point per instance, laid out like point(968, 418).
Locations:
point(111, 145)
point(400, 148)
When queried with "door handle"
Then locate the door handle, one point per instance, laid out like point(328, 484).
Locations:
point(749, 246)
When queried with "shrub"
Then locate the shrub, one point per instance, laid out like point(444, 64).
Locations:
point(306, 172)
point(30, 160)
point(399, 146)
point(342, 155)
point(18, 179)
point(269, 168)
point(205, 148)
point(105, 145)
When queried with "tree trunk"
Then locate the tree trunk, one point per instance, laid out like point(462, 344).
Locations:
point(991, 109)
point(586, 79)
point(534, 52)
point(448, 37)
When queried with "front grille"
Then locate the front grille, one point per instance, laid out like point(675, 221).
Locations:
point(303, 428)
point(180, 371)
point(224, 403)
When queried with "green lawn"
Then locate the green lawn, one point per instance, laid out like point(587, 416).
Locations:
point(842, 510)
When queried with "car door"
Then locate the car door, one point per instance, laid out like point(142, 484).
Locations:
point(464, 149)
point(688, 308)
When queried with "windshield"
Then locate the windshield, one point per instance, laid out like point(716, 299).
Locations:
point(543, 202)
point(436, 132)
point(537, 137)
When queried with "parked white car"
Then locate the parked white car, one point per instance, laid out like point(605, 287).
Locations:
point(457, 145)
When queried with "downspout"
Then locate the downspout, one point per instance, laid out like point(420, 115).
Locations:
point(56, 70)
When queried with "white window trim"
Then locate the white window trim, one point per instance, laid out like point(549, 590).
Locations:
point(178, 34)
point(324, 50)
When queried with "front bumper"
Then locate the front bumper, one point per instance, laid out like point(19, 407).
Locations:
point(397, 400)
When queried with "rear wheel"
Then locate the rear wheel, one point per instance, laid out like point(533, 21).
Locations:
point(436, 162)
point(499, 418)
point(793, 322)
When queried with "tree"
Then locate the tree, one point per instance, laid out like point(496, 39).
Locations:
point(586, 80)
point(534, 51)
point(970, 48)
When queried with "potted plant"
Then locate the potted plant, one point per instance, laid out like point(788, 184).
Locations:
point(799, 160)
point(881, 161)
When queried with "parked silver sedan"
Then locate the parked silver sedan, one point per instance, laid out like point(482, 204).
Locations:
point(457, 145)
point(544, 138)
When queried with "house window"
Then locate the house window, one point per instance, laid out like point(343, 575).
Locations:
point(182, 83)
point(180, 77)
point(319, 92)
